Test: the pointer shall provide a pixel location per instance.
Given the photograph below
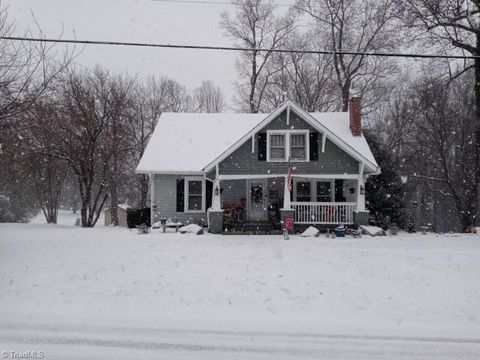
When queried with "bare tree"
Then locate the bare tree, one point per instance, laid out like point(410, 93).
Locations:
point(48, 171)
point(427, 127)
point(81, 126)
point(454, 23)
point(255, 25)
point(26, 69)
point(208, 98)
point(120, 103)
point(306, 78)
point(356, 26)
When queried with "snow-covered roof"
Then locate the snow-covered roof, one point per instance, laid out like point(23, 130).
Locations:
point(120, 206)
point(188, 142)
point(339, 124)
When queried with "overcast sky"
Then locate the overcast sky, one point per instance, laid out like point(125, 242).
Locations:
point(137, 21)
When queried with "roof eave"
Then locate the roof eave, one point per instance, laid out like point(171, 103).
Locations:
point(242, 140)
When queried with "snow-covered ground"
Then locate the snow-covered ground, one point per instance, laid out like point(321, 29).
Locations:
point(64, 288)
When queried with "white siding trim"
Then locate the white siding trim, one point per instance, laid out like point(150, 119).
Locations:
point(287, 134)
point(288, 115)
point(185, 204)
point(313, 188)
point(269, 176)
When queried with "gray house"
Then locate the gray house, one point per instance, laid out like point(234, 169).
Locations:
point(227, 168)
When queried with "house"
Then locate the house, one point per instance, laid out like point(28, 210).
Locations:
point(227, 167)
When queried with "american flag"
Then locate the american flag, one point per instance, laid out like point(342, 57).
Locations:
point(289, 175)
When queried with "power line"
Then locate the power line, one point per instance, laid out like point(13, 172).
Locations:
point(204, 2)
point(230, 48)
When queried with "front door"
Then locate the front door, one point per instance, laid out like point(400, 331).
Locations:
point(256, 200)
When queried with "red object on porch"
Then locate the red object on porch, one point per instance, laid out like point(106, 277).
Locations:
point(289, 223)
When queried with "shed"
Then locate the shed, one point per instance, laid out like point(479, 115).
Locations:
point(122, 210)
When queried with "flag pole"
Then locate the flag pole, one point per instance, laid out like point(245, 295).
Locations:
point(287, 187)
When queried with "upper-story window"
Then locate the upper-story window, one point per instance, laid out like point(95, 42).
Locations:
point(298, 146)
point(285, 144)
point(277, 147)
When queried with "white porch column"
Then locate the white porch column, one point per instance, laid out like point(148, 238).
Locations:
point(216, 201)
point(286, 195)
point(360, 197)
point(153, 203)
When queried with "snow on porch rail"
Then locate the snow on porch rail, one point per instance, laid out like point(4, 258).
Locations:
point(323, 213)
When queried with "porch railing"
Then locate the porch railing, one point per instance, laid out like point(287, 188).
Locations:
point(324, 213)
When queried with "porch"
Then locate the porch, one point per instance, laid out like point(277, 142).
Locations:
point(256, 203)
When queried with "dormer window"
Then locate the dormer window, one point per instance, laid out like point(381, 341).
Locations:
point(298, 146)
point(285, 144)
point(277, 147)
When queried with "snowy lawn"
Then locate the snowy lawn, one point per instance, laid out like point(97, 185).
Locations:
point(407, 285)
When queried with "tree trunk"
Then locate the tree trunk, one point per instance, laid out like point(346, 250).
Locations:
point(476, 182)
point(143, 191)
point(253, 83)
point(113, 175)
point(346, 95)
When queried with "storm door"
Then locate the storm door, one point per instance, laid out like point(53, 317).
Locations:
point(256, 199)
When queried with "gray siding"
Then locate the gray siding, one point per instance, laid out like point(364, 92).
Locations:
point(333, 161)
point(166, 200)
point(233, 191)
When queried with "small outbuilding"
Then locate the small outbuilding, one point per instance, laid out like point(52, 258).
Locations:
point(122, 210)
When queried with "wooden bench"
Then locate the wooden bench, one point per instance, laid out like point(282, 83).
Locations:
point(171, 226)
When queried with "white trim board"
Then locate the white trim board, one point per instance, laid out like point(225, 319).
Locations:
point(186, 194)
point(270, 176)
point(167, 172)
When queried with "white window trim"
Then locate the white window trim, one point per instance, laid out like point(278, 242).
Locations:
point(276, 132)
point(296, 181)
point(332, 189)
point(287, 134)
point(185, 206)
point(313, 188)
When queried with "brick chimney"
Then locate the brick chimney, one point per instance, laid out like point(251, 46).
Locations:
point(355, 118)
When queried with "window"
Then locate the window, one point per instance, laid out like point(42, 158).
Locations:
point(285, 144)
point(303, 191)
point(277, 146)
point(298, 147)
point(324, 191)
point(194, 195)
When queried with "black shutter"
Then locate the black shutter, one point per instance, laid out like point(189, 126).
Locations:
point(339, 191)
point(314, 146)
point(262, 146)
point(208, 194)
point(180, 195)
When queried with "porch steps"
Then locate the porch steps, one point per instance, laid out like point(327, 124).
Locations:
point(253, 228)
